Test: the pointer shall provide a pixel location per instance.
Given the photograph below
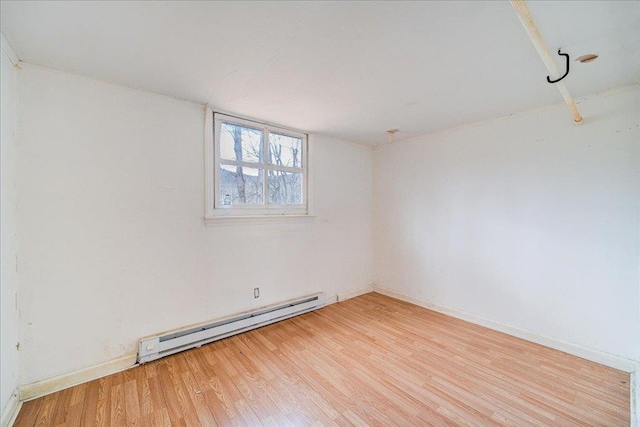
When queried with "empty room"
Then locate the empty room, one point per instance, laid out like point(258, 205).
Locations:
point(301, 213)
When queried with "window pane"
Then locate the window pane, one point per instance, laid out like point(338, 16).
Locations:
point(285, 150)
point(240, 186)
point(240, 143)
point(285, 188)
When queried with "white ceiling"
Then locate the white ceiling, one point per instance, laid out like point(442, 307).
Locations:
point(347, 69)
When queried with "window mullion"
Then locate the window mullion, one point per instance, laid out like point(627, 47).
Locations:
point(265, 162)
point(251, 165)
point(285, 169)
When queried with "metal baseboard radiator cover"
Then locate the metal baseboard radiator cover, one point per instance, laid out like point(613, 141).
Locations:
point(155, 347)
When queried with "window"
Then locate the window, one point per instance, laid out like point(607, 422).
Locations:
point(258, 169)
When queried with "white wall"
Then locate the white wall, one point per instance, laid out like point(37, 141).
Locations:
point(529, 221)
point(113, 243)
point(332, 253)
point(8, 218)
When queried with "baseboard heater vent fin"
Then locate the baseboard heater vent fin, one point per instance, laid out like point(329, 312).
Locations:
point(155, 347)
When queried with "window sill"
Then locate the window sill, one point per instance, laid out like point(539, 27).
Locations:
point(257, 219)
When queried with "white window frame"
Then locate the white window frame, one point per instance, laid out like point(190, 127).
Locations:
point(215, 210)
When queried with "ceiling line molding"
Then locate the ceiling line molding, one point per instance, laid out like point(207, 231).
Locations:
point(522, 113)
point(6, 48)
point(198, 104)
point(43, 69)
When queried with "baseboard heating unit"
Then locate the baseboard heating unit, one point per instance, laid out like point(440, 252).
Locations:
point(155, 347)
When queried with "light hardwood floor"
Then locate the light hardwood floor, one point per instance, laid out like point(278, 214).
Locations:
point(371, 360)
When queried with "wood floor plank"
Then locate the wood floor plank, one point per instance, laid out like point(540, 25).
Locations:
point(288, 380)
point(205, 416)
point(90, 403)
point(219, 392)
point(143, 390)
point(286, 384)
point(157, 402)
point(264, 400)
point(371, 360)
point(161, 418)
point(322, 379)
point(46, 413)
point(103, 403)
point(118, 414)
point(61, 409)
point(180, 408)
point(29, 412)
point(131, 403)
point(249, 417)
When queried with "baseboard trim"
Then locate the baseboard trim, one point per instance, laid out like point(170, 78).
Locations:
point(594, 355)
point(352, 294)
point(51, 385)
point(10, 411)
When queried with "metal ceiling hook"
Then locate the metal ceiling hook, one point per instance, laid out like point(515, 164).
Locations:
point(566, 73)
